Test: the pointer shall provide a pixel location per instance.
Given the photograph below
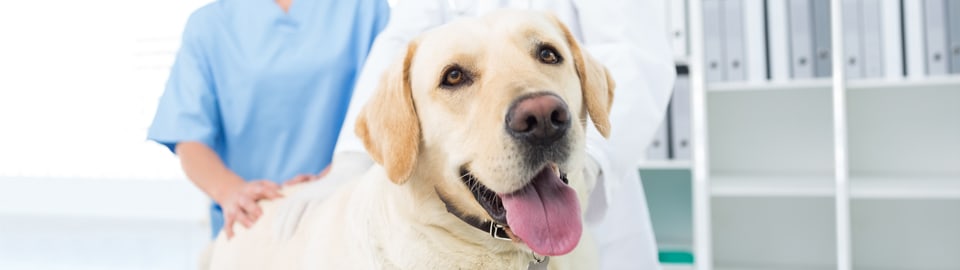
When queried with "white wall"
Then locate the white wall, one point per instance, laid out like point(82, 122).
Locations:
point(80, 187)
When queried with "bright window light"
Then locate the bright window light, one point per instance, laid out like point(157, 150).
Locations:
point(80, 84)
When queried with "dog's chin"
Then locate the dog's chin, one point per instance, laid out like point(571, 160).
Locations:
point(544, 213)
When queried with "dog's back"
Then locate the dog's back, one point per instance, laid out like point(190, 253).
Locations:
point(283, 235)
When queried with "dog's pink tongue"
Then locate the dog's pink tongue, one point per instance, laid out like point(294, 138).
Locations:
point(545, 215)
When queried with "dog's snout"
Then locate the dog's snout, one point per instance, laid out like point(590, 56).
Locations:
point(539, 118)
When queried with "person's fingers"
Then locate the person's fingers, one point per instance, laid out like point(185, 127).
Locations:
point(258, 191)
point(245, 219)
point(270, 190)
point(293, 181)
point(269, 185)
point(323, 173)
point(250, 208)
point(297, 179)
point(273, 194)
point(252, 190)
point(228, 224)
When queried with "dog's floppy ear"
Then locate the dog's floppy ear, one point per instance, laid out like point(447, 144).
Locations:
point(595, 82)
point(388, 123)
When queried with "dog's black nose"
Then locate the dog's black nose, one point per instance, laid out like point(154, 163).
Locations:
point(541, 118)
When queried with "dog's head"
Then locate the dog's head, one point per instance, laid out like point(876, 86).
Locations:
point(494, 110)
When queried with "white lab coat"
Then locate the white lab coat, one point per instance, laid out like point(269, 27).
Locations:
point(629, 37)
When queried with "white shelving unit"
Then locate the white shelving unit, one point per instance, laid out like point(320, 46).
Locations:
point(664, 165)
point(823, 173)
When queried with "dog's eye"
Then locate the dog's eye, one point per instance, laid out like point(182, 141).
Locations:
point(549, 56)
point(453, 77)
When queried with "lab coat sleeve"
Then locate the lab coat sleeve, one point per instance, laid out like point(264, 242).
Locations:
point(630, 39)
point(188, 108)
point(408, 18)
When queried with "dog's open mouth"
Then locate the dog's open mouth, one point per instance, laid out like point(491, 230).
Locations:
point(544, 214)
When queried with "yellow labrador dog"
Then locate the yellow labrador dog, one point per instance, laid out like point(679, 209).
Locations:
point(478, 133)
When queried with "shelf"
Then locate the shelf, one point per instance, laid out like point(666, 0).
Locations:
point(676, 266)
point(904, 188)
point(860, 187)
point(802, 85)
point(664, 165)
point(771, 186)
point(952, 83)
point(772, 268)
point(825, 84)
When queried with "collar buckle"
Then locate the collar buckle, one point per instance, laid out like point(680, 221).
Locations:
point(497, 231)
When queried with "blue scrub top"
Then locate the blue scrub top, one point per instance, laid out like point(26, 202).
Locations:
point(267, 89)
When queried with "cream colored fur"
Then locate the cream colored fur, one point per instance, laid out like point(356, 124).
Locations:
point(420, 134)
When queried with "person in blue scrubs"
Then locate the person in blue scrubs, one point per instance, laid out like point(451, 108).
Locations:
point(258, 93)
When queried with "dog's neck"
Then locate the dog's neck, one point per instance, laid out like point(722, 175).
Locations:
point(418, 227)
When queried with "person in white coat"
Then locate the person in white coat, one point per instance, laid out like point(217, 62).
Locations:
point(629, 37)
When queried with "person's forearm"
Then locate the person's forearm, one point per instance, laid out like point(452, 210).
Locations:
point(206, 170)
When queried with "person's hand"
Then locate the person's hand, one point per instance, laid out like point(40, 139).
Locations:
point(240, 203)
point(303, 178)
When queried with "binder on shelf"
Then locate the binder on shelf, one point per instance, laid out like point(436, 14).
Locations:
point(871, 39)
point(733, 40)
point(778, 29)
point(936, 37)
point(801, 39)
point(892, 35)
point(822, 64)
point(677, 27)
point(852, 45)
point(953, 20)
point(713, 41)
point(680, 118)
point(755, 36)
point(914, 39)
